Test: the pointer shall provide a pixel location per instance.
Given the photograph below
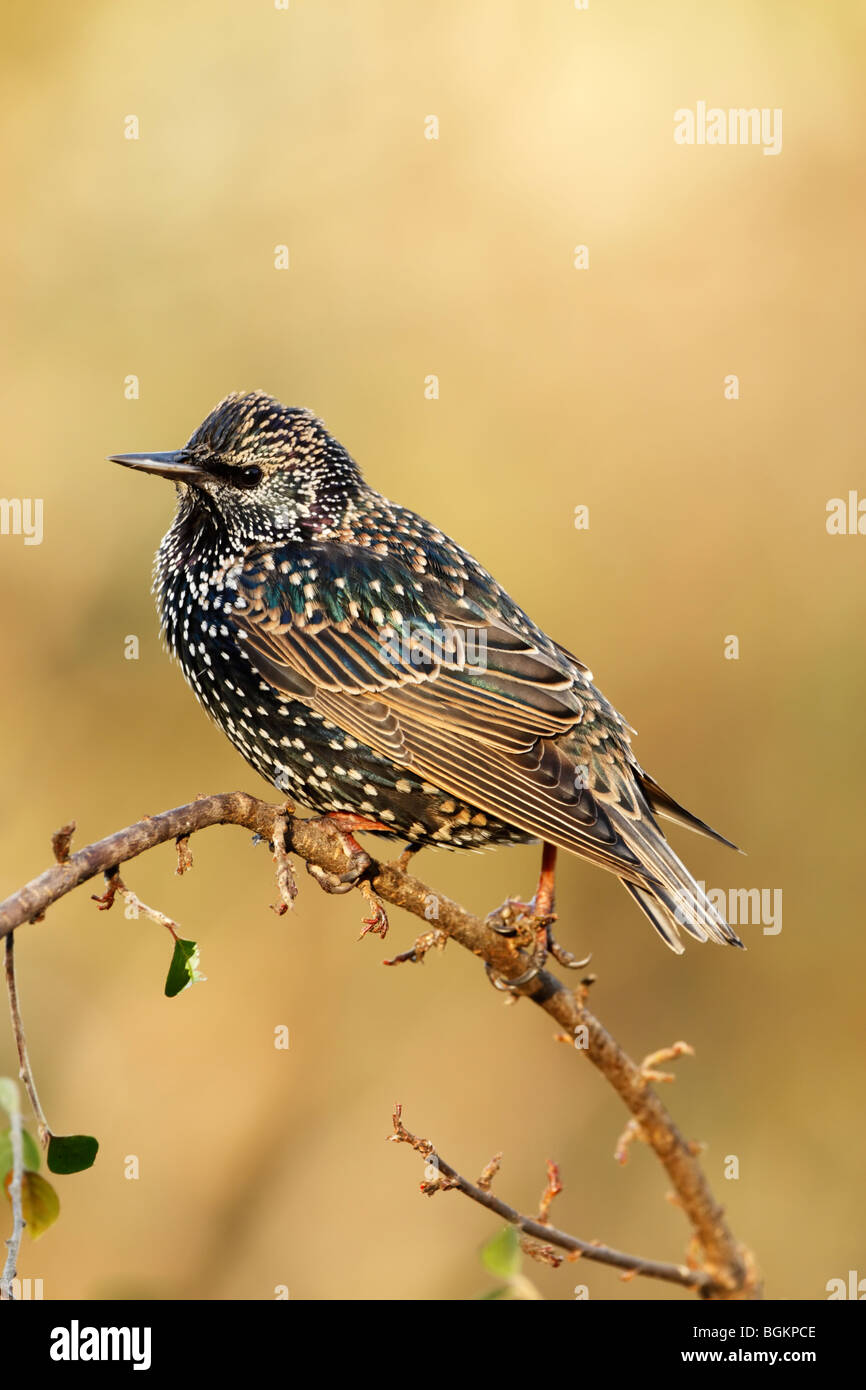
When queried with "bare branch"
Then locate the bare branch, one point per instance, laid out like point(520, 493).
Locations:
point(25, 1069)
point(540, 1230)
point(513, 966)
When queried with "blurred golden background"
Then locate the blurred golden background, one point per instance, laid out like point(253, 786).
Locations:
point(412, 257)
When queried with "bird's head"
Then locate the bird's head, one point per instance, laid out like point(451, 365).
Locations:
point(259, 471)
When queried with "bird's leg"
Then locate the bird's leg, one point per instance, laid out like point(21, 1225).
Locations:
point(359, 861)
point(543, 904)
point(545, 894)
point(347, 821)
point(405, 859)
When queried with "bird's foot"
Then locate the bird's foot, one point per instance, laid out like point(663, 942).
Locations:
point(345, 882)
point(531, 922)
point(512, 917)
point(530, 925)
point(530, 932)
point(358, 863)
point(515, 915)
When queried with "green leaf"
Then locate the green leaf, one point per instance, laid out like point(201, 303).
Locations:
point(9, 1096)
point(39, 1201)
point(183, 970)
point(71, 1153)
point(32, 1154)
point(29, 1147)
point(502, 1292)
point(501, 1255)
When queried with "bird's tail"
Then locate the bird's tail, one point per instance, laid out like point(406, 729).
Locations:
point(666, 892)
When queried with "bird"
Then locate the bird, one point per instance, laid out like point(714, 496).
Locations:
point(371, 669)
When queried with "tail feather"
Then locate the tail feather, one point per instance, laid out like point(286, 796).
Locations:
point(666, 891)
point(657, 914)
point(664, 805)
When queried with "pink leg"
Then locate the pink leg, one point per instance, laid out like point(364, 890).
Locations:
point(347, 821)
point(545, 893)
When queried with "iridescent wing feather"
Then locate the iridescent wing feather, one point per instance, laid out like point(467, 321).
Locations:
point(523, 734)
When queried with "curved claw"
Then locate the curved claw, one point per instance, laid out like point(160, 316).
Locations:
point(502, 982)
point(331, 883)
point(358, 862)
point(564, 957)
point(378, 922)
point(511, 915)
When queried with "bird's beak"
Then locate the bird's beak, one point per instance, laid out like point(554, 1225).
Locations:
point(177, 467)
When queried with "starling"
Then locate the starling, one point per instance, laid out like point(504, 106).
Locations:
point(372, 670)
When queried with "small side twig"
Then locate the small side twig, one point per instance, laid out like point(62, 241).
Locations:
point(631, 1132)
point(553, 1189)
point(115, 887)
point(286, 885)
point(489, 1171)
point(184, 855)
point(649, 1067)
point(25, 1070)
point(60, 842)
point(545, 1234)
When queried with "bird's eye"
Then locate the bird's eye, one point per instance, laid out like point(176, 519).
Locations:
point(250, 477)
